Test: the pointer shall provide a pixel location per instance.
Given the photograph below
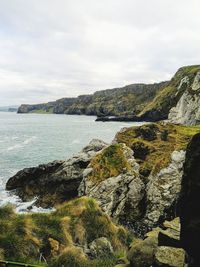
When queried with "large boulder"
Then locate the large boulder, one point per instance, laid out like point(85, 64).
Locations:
point(169, 257)
point(56, 181)
point(189, 202)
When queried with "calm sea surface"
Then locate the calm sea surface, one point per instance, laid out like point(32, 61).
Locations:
point(30, 139)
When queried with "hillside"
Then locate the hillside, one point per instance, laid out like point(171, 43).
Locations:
point(150, 102)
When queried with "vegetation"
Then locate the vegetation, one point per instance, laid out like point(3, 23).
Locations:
point(59, 235)
point(109, 163)
point(150, 141)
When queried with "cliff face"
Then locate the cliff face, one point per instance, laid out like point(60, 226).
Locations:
point(187, 110)
point(177, 99)
point(128, 100)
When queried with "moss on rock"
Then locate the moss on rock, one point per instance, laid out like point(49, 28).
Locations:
point(153, 144)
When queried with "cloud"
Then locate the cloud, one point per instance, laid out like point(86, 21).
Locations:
point(51, 49)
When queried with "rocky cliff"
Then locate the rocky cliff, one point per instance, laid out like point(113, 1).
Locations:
point(136, 180)
point(177, 99)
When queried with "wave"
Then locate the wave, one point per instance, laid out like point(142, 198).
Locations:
point(21, 145)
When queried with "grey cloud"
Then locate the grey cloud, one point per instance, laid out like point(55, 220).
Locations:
point(51, 49)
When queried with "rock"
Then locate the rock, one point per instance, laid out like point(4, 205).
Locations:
point(189, 202)
point(119, 196)
point(100, 247)
point(187, 110)
point(170, 236)
point(56, 181)
point(169, 257)
point(142, 251)
point(163, 188)
point(196, 83)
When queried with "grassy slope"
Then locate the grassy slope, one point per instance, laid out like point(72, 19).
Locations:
point(157, 152)
point(79, 221)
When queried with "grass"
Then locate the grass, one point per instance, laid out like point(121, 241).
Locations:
point(42, 111)
point(108, 163)
point(159, 149)
point(24, 236)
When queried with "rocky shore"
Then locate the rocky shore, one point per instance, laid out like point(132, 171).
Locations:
point(131, 203)
point(140, 181)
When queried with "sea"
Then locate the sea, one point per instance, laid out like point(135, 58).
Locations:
point(27, 140)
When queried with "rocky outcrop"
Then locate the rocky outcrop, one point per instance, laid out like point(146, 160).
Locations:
point(189, 202)
point(150, 251)
point(120, 196)
point(163, 189)
point(137, 179)
point(187, 110)
point(54, 182)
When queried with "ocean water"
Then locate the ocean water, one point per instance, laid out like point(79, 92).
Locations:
point(27, 140)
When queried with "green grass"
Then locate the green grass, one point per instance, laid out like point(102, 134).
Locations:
point(109, 163)
point(78, 221)
point(160, 151)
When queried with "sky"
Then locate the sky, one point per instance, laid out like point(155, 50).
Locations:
point(51, 49)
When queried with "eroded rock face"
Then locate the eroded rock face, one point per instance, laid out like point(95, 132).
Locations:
point(129, 200)
point(56, 181)
point(119, 196)
point(187, 110)
point(163, 188)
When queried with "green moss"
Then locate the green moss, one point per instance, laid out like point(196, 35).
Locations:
point(42, 111)
point(159, 149)
point(109, 163)
point(24, 236)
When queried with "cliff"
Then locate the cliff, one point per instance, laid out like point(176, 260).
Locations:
point(147, 102)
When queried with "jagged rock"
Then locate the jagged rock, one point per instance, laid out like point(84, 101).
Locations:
point(54, 182)
point(119, 196)
point(187, 110)
point(163, 188)
point(169, 257)
point(189, 202)
point(100, 248)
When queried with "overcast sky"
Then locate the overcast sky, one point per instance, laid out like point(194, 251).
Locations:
point(61, 48)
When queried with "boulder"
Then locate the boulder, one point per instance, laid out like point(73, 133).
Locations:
point(100, 247)
point(169, 257)
point(56, 181)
